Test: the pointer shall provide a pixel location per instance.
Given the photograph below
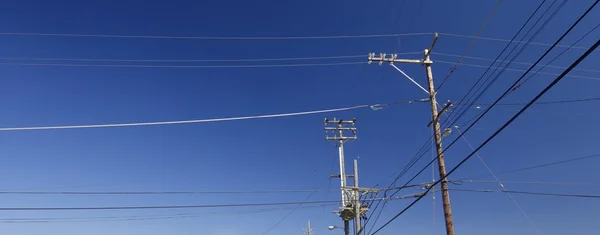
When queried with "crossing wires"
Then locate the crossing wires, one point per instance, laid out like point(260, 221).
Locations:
point(498, 131)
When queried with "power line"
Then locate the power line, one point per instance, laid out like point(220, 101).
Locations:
point(160, 192)
point(424, 148)
point(501, 184)
point(503, 61)
point(516, 70)
point(264, 37)
point(466, 51)
point(175, 206)
point(373, 107)
point(508, 40)
point(524, 74)
point(542, 165)
point(531, 193)
point(288, 214)
point(142, 218)
point(214, 37)
point(465, 98)
point(472, 98)
point(195, 60)
point(557, 56)
point(190, 60)
point(552, 84)
point(184, 66)
point(460, 182)
point(545, 102)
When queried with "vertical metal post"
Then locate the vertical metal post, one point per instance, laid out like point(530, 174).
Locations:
point(357, 206)
point(342, 165)
point(346, 210)
point(347, 227)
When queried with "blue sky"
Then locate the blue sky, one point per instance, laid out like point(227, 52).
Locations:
point(285, 153)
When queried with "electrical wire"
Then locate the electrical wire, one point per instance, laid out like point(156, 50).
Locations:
point(466, 51)
point(288, 214)
point(196, 60)
point(184, 66)
point(460, 182)
point(547, 102)
point(476, 95)
point(503, 61)
point(160, 192)
point(522, 76)
point(500, 54)
point(176, 206)
point(496, 180)
point(552, 84)
point(530, 193)
point(542, 165)
point(373, 107)
point(430, 140)
point(557, 56)
point(508, 40)
point(191, 60)
point(423, 149)
point(518, 70)
point(263, 37)
point(143, 218)
point(212, 37)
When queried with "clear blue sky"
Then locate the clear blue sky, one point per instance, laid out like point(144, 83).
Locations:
point(285, 153)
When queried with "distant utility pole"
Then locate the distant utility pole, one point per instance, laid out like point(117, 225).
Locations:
point(426, 61)
point(351, 205)
point(338, 128)
point(308, 230)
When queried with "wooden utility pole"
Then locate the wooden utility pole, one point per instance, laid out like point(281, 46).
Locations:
point(393, 58)
point(438, 143)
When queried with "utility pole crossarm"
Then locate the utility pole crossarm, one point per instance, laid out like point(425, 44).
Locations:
point(392, 59)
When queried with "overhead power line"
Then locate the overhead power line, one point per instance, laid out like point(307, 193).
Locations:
point(197, 60)
point(504, 61)
point(148, 217)
point(424, 148)
point(460, 182)
point(542, 165)
point(517, 70)
point(530, 193)
point(511, 120)
point(466, 51)
point(184, 66)
point(265, 37)
point(544, 102)
point(373, 106)
point(215, 37)
point(160, 192)
point(288, 214)
point(194, 60)
point(508, 40)
point(180, 206)
point(485, 85)
point(190, 60)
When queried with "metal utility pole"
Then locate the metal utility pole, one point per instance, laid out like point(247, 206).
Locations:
point(357, 204)
point(337, 128)
point(308, 230)
point(426, 61)
point(351, 208)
